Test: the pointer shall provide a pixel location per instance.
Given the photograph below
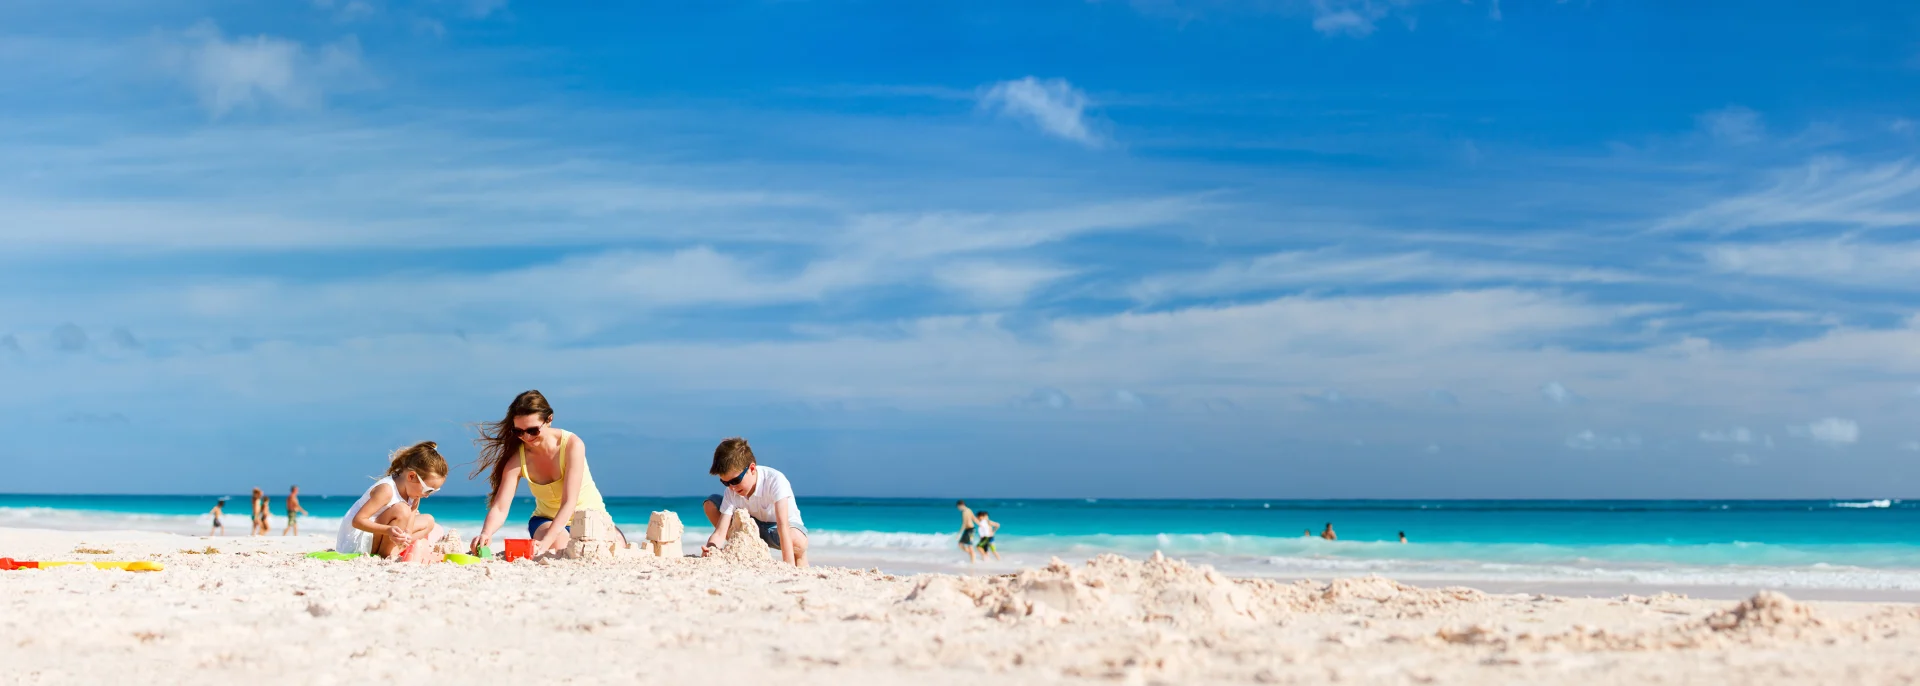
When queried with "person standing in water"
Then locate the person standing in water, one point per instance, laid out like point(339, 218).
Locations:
point(1403, 537)
point(219, 508)
point(259, 514)
point(1328, 533)
point(527, 445)
point(967, 524)
point(294, 510)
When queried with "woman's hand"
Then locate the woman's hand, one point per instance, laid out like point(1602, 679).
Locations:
point(478, 541)
point(555, 539)
point(399, 535)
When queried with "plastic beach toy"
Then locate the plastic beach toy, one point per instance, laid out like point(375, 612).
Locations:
point(9, 564)
point(516, 548)
point(334, 556)
point(462, 559)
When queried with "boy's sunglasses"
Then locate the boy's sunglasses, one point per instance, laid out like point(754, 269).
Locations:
point(735, 481)
point(532, 431)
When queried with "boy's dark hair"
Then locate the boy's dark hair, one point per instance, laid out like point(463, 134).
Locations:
point(731, 456)
point(959, 503)
point(981, 513)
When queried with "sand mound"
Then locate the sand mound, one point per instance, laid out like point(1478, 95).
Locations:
point(1766, 610)
point(744, 546)
point(1109, 588)
point(1766, 616)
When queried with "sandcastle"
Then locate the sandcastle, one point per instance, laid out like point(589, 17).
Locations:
point(594, 536)
point(663, 534)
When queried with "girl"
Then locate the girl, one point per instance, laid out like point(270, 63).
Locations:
point(554, 463)
point(387, 518)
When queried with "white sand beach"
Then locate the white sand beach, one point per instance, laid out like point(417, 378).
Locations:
point(256, 609)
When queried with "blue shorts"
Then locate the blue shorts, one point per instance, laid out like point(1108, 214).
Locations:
point(533, 526)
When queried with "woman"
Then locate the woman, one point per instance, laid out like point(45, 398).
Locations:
point(553, 461)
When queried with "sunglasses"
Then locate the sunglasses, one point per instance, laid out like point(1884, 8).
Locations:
point(425, 490)
point(735, 481)
point(531, 431)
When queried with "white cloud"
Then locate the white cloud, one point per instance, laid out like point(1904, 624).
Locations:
point(1046, 398)
point(1353, 18)
point(1054, 105)
point(1588, 440)
point(1128, 399)
point(1913, 446)
point(1433, 448)
point(257, 71)
point(485, 8)
point(1318, 268)
point(348, 10)
point(1732, 124)
point(1740, 459)
point(1738, 434)
point(994, 283)
point(1840, 261)
point(1558, 393)
point(1831, 431)
point(1826, 191)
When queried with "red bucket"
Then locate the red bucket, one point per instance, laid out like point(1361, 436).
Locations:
point(517, 548)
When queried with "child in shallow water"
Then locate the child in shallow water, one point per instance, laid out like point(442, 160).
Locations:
point(387, 518)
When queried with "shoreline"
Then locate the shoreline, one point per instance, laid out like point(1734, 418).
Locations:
point(257, 608)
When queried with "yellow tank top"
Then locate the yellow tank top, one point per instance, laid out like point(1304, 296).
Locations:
point(547, 496)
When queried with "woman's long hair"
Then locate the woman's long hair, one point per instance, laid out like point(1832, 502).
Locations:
point(497, 442)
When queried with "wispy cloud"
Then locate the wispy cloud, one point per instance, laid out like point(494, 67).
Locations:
point(1832, 431)
point(252, 72)
point(1732, 124)
point(1828, 191)
point(1558, 394)
point(1890, 265)
point(1328, 267)
point(1588, 439)
point(1349, 17)
point(1053, 105)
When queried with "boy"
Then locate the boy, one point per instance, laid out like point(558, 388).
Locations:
point(967, 524)
point(766, 496)
point(987, 529)
point(294, 510)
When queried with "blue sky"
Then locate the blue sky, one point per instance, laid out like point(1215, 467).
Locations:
point(1042, 248)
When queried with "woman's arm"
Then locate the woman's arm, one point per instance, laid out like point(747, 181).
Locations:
point(498, 508)
point(576, 461)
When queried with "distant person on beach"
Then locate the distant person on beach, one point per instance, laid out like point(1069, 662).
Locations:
point(387, 518)
point(1328, 533)
point(1306, 533)
point(552, 460)
point(967, 524)
point(987, 528)
point(1403, 537)
point(259, 513)
point(764, 493)
point(294, 510)
point(219, 508)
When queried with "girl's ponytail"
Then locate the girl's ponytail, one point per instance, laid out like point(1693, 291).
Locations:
point(423, 458)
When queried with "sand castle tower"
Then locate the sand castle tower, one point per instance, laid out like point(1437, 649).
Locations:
point(594, 536)
point(663, 534)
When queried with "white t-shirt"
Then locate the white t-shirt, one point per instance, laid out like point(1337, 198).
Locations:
point(986, 527)
point(772, 489)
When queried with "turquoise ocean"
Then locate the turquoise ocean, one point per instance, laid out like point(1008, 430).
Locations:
point(1837, 544)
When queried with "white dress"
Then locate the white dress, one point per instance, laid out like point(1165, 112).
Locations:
point(353, 540)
